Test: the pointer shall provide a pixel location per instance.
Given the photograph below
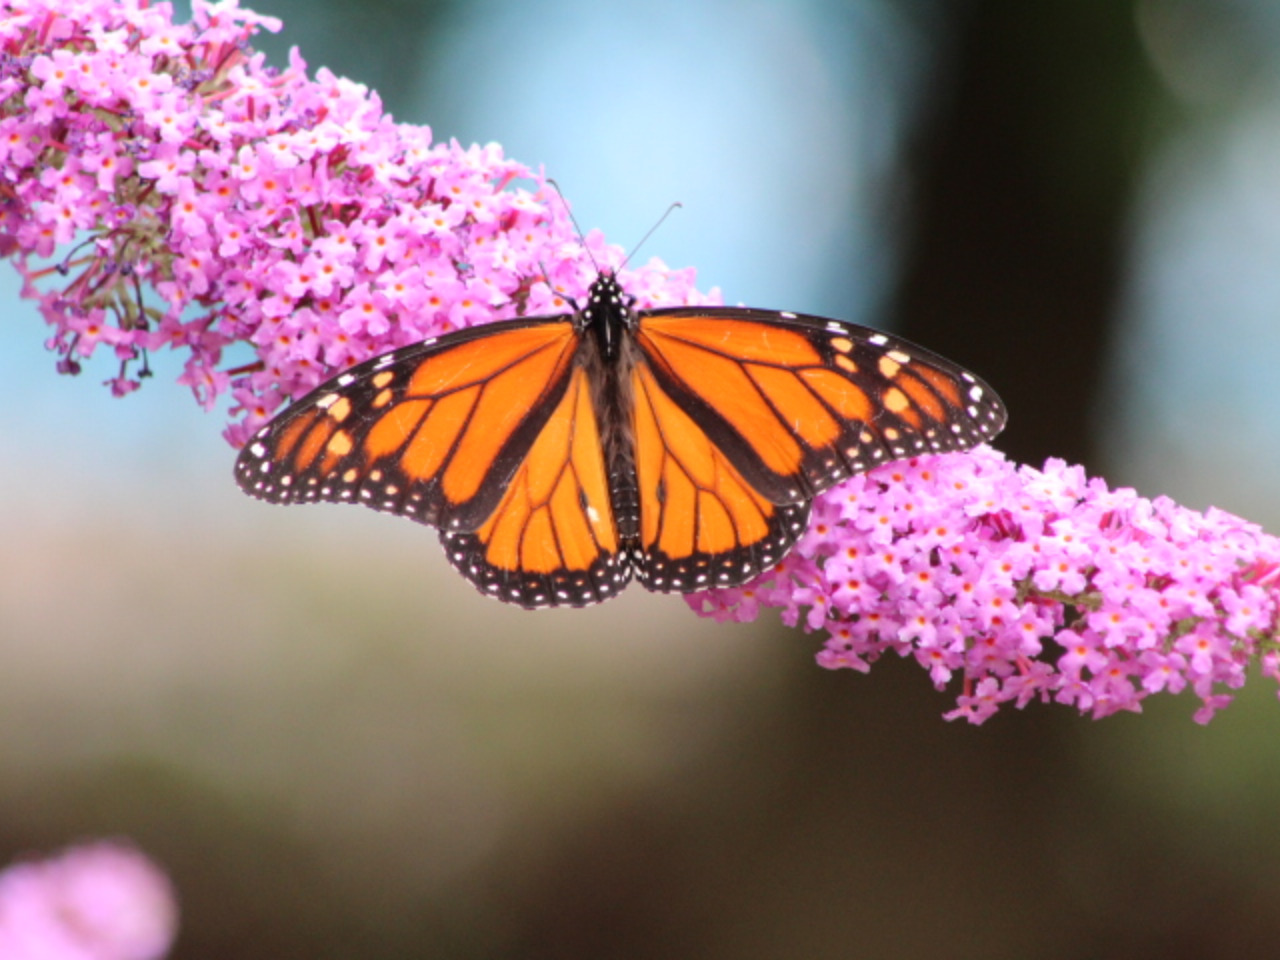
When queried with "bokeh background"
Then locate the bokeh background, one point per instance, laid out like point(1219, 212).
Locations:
point(339, 749)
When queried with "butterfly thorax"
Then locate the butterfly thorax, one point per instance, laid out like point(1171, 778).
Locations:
point(607, 316)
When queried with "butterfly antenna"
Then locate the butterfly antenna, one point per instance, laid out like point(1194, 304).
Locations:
point(636, 248)
point(574, 220)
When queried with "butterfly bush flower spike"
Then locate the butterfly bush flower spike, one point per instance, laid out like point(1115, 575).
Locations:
point(101, 901)
point(1027, 585)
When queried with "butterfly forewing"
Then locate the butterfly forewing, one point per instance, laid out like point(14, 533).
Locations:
point(799, 403)
point(434, 431)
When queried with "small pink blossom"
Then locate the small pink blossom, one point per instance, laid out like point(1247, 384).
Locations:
point(101, 901)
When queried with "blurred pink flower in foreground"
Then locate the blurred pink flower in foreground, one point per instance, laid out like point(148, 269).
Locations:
point(292, 220)
point(103, 901)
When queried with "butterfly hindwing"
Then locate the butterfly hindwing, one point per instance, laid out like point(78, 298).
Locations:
point(434, 431)
point(701, 523)
point(552, 540)
point(798, 403)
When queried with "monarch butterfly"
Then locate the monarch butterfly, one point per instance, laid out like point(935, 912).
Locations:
point(561, 455)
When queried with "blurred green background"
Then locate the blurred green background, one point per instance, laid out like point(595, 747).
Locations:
point(339, 749)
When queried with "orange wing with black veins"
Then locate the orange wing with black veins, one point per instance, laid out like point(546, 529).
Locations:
point(743, 416)
point(553, 539)
point(434, 431)
point(799, 403)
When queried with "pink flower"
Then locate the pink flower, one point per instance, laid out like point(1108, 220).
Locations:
point(102, 901)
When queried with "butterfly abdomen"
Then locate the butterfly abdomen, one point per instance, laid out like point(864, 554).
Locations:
point(610, 379)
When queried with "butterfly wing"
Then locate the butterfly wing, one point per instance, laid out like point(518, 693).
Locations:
point(487, 433)
point(702, 524)
point(742, 416)
point(798, 403)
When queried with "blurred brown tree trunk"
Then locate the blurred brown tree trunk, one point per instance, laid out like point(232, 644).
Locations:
point(1023, 180)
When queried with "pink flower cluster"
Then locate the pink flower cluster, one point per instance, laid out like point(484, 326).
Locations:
point(104, 901)
point(1028, 584)
point(263, 208)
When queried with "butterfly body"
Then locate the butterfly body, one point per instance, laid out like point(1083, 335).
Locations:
point(561, 456)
